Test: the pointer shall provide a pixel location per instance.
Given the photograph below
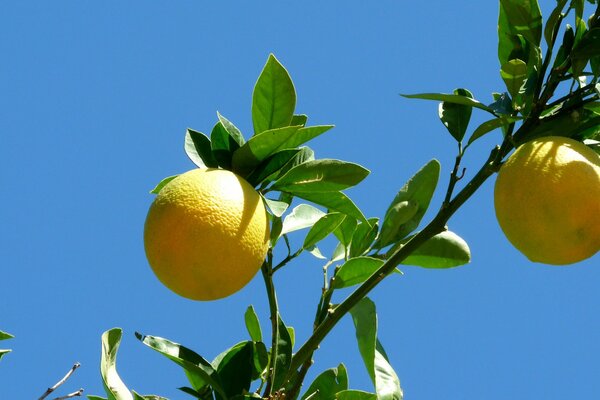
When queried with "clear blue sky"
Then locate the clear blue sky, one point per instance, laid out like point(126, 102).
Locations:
point(95, 99)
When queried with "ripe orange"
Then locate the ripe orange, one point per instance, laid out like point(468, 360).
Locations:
point(206, 234)
point(547, 200)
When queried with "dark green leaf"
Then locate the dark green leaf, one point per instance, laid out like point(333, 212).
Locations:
point(113, 385)
point(450, 98)
point(5, 335)
point(274, 97)
point(444, 250)
point(162, 184)
point(455, 117)
point(355, 395)
point(489, 126)
point(232, 130)
point(502, 104)
point(304, 155)
point(299, 119)
point(223, 145)
point(551, 23)
point(327, 384)
point(199, 371)
point(282, 354)
point(588, 47)
point(513, 73)
point(261, 359)
point(579, 124)
point(252, 324)
point(259, 147)
point(197, 147)
point(385, 380)
point(322, 228)
point(271, 166)
point(345, 231)
point(524, 18)
point(302, 216)
point(356, 271)
point(235, 367)
point(323, 175)
point(194, 393)
point(363, 237)
point(335, 201)
point(4, 352)
point(418, 190)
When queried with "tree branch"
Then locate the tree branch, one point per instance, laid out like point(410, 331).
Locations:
point(62, 381)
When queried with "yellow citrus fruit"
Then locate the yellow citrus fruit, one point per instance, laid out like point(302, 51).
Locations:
point(547, 200)
point(206, 234)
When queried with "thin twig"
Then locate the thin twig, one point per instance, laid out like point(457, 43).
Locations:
point(70, 395)
point(63, 380)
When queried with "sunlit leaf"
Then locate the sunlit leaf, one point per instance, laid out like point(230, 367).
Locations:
point(524, 18)
point(277, 207)
point(252, 324)
point(274, 97)
point(444, 250)
point(489, 126)
point(328, 384)
point(272, 165)
point(514, 73)
point(346, 230)
point(113, 385)
point(323, 228)
point(162, 184)
point(450, 98)
point(356, 271)
point(334, 201)
point(355, 395)
point(363, 237)
point(302, 216)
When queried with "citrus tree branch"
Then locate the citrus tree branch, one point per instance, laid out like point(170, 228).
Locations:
point(62, 381)
point(267, 273)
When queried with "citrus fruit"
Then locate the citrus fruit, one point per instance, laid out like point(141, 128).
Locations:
point(206, 234)
point(547, 200)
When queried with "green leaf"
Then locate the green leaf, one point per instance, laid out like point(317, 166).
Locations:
point(162, 184)
point(235, 367)
point(328, 384)
point(334, 201)
point(345, 231)
point(553, 21)
point(274, 97)
point(524, 18)
point(304, 154)
point(305, 134)
point(223, 145)
point(455, 117)
point(579, 124)
point(514, 73)
point(400, 218)
point(197, 147)
point(356, 271)
point(587, 47)
point(252, 324)
point(302, 216)
point(385, 380)
point(5, 335)
point(363, 237)
point(502, 104)
point(323, 228)
point(199, 371)
point(277, 207)
point(273, 164)
point(137, 396)
point(282, 353)
point(355, 395)
point(450, 98)
point(444, 250)
point(489, 126)
point(231, 130)
point(324, 175)
point(299, 119)
point(260, 360)
point(92, 397)
point(4, 352)
point(113, 385)
point(259, 147)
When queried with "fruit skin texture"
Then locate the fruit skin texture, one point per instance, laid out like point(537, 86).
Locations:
point(547, 200)
point(206, 234)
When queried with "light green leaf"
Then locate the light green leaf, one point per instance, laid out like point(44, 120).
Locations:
point(259, 147)
point(334, 201)
point(363, 237)
point(277, 207)
point(314, 250)
point(305, 134)
point(323, 175)
point(302, 216)
point(299, 119)
point(355, 395)
point(197, 147)
point(92, 397)
point(444, 250)
point(199, 371)
point(345, 231)
point(514, 73)
point(231, 130)
point(113, 385)
point(322, 228)
point(274, 97)
point(455, 117)
point(328, 384)
point(385, 380)
point(137, 396)
point(524, 18)
point(252, 324)
point(356, 271)
point(399, 222)
point(489, 126)
point(450, 98)
point(162, 184)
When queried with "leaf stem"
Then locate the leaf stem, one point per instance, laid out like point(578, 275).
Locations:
point(267, 273)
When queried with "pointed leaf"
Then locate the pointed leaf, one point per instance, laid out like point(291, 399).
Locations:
point(259, 147)
point(199, 371)
point(5, 335)
point(197, 147)
point(345, 231)
point(450, 98)
point(113, 385)
point(260, 360)
point(223, 145)
point(489, 126)
point(282, 354)
point(455, 117)
point(356, 271)
point(418, 190)
point(327, 384)
point(524, 18)
point(299, 119)
point(231, 130)
point(276, 207)
point(363, 237)
point(302, 216)
point(355, 395)
point(235, 367)
point(304, 154)
point(334, 201)
point(274, 97)
point(137, 396)
point(323, 228)
point(444, 250)
point(272, 165)
point(323, 175)
point(4, 352)
point(162, 184)
point(305, 134)
point(514, 73)
point(252, 324)
point(553, 20)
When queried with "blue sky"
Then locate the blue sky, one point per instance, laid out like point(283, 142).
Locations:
point(95, 100)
